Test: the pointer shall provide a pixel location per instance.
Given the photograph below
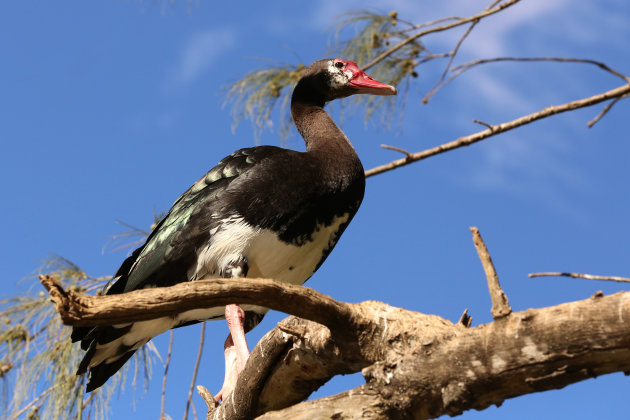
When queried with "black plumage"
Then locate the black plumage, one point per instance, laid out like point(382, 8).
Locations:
point(263, 211)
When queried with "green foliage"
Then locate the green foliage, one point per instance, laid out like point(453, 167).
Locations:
point(134, 236)
point(373, 34)
point(38, 361)
point(257, 94)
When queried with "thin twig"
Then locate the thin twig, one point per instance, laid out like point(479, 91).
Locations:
point(501, 128)
point(599, 64)
point(604, 111)
point(463, 21)
point(454, 52)
point(397, 149)
point(431, 23)
point(86, 402)
point(34, 402)
point(207, 397)
point(98, 286)
point(197, 362)
point(581, 276)
point(500, 304)
point(194, 410)
point(494, 3)
point(431, 56)
point(168, 362)
point(462, 68)
point(485, 124)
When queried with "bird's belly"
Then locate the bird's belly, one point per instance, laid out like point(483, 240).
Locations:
point(267, 256)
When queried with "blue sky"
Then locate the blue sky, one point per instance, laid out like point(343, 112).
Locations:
point(110, 110)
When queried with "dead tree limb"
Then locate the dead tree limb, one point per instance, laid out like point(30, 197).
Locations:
point(530, 351)
point(493, 130)
point(500, 305)
point(415, 365)
point(462, 68)
point(458, 22)
point(581, 276)
point(139, 305)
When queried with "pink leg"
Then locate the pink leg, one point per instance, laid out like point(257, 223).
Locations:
point(236, 350)
point(235, 317)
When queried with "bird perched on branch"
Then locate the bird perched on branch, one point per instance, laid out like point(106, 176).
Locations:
point(263, 211)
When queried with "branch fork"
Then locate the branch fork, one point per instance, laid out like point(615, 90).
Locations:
point(417, 364)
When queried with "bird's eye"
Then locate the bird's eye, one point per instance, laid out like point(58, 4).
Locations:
point(339, 64)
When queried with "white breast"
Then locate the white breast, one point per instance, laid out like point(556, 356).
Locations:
point(267, 256)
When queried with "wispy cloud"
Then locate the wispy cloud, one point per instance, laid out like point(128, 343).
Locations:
point(589, 19)
point(200, 53)
point(532, 165)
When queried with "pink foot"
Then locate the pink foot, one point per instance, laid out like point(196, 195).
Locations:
point(236, 350)
point(231, 370)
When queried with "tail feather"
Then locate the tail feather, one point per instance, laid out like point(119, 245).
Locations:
point(100, 373)
point(85, 362)
point(93, 337)
point(80, 333)
point(111, 360)
point(108, 348)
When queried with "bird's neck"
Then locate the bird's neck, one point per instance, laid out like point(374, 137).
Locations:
point(318, 129)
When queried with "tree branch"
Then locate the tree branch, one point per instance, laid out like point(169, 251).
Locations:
point(415, 365)
point(605, 110)
point(452, 55)
point(82, 310)
point(243, 403)
point(420, 34)
point(582, 276)
point(501, 128)
point(462, 68)
point(396, 149)
point(500, 304)
point(472, 368)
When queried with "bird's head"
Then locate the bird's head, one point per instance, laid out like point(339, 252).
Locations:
point(336, 78)
point(346, 78)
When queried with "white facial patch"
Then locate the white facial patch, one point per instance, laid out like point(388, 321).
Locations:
point(339, 77)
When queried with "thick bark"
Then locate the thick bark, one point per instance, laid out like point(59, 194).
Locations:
point(430, 372)
point(82, 310)
point(415, 365)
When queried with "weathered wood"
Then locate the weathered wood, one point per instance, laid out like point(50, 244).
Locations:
point(416, 366)
point(500, 305)
point(82, 310)
point(473, 368)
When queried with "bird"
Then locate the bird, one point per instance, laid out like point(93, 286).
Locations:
point(261, 212)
